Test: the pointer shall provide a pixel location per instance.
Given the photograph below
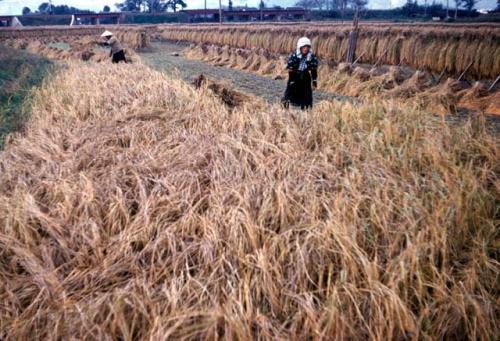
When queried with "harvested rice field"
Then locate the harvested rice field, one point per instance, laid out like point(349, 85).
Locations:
point(173, 197)
point(441, 68)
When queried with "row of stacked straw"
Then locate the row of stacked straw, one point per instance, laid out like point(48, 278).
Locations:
point(435, 48)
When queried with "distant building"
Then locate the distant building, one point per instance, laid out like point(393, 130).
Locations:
point(10, 21)
point(248, 14)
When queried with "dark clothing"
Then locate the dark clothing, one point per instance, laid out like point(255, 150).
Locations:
point(119, 57)
point(302, 71)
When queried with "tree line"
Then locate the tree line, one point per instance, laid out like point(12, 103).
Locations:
point(151, 6)
point(410, 8)
point(47, 8)
point(147, 6)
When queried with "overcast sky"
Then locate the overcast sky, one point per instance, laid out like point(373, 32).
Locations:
point(15, 6)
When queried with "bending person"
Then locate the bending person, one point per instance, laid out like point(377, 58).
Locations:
point(117, 54)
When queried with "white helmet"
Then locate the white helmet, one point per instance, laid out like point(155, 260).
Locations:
point(106, 34)
point(304, 41)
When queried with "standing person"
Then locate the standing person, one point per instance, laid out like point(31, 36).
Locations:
point(302, 75)
point(117, 53)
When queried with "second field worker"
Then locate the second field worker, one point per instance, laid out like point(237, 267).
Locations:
point(117, 54)
point(302, 75)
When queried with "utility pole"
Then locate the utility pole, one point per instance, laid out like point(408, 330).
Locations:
point(220, 12)
point(205, 15)
point(447, 9)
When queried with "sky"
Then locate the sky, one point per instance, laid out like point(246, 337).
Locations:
point(8, 7)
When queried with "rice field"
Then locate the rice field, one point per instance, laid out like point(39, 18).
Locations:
point(74, 43)
point(19, 72)
point(436, 48)
point(134, 205)
point(427, 90)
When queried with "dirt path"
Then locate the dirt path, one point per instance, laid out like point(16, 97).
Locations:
point(161, 57)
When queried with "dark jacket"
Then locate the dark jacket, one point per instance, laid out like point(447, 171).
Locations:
point(299, 91)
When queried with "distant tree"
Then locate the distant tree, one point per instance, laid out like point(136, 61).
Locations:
point(359, 4)
point(155, 5)
point(230, 9)
point(469, 5)
point(458, 4)
point(425, 7)
point(342, 5)
point(304, 3)
point(262, 5)
point(435, 9)
point(410, 8)
point(26, 10)
point(318, 4)
point(321, 4)
point(47, 8)
point(310, 4)
point(174, 3)
point(44, 7)
point(106, 9)
point(498, 5)
point(130, 5)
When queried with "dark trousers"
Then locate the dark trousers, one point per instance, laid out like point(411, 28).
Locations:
point(119, 57)
point(298, 90)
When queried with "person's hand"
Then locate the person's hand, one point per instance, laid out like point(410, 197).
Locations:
point(315, 84)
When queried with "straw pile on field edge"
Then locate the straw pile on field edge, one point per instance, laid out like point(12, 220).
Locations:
point(257, 60)
point(418, 46)
point(136, 207)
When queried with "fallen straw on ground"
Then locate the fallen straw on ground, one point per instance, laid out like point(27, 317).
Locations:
point(136, 207)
